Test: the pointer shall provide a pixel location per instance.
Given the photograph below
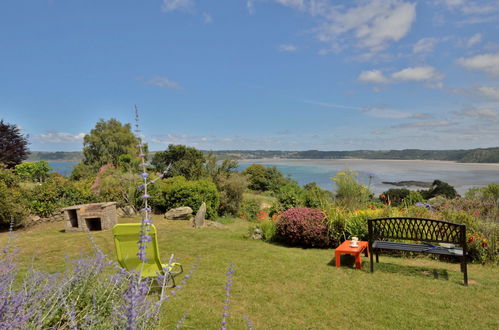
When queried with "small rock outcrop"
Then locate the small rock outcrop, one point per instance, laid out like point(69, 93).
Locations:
point(179, 213)
point(200, 216)
point(257, 234)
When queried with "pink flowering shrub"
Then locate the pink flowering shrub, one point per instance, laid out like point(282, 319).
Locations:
point(303, 227)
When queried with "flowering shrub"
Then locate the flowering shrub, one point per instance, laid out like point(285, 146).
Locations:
point(249, 210)
point(303, 227)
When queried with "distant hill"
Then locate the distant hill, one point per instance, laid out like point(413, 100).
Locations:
point(484, 155)
point(58, 156)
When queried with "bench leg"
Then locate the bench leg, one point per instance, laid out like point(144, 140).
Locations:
point(377, 257)
point(371, 264)
point(464, 269)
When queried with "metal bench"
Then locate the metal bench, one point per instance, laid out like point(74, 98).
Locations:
point(383, 232)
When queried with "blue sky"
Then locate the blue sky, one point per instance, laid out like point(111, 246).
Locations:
point(254, 74)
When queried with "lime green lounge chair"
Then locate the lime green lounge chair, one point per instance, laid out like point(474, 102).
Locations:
point(126, 238)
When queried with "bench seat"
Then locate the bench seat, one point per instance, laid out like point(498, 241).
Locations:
point(425, 248)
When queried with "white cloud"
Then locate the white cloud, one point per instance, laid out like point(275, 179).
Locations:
point(373, 24)
point(474, 39)
point(425, 45)
point(288, 48)
point(488, 63)
point(172, 5)
point(489, 92)
point(372, 76)
point(162, 82)
point(60, 137)
point(251, 6)
point(420, 73)
point(207, 18)
point(424, 124)
point(485, 114)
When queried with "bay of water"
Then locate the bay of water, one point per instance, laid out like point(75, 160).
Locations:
point(372, 173)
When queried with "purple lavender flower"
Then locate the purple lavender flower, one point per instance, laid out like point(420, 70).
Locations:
point(228, 285)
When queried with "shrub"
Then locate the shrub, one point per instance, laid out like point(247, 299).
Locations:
point(231, 187)
point(249, 209)
point(303, 227)
point(413, 198)
point(269, 229)
point(439, 188)
point(289, 196)
point(349, 193)
point(12, 206)
point(314, 196)
point(395, 196)
point(176, 192)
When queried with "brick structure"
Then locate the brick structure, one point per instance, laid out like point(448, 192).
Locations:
point(90, 217)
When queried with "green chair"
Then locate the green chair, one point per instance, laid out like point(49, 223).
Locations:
point(126, 238)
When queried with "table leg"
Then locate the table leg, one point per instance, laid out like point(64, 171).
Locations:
point(337, 257)
point(358, 261)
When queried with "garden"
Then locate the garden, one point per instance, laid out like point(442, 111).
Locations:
point(285, 279)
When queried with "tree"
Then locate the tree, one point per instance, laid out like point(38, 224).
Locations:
point(439, 188)
point(13, 145)
point(107, 142)
point(186, 161)
point(34, 171)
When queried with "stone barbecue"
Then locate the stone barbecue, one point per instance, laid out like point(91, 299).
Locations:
point(90, 217)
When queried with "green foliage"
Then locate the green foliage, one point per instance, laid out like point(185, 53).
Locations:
point(13, 145)
point(314, 196)
point(489, 193)
point(186, 161)
point(413, 198)
point(459, 216)
point(12, 206)
point(357, 226)
point(215, 168)
point(176, 192)
point(33, 171)
point(55, 193)
point(231, 187)
point(395, 196)
point(289, 196)
point(249, 209)
point(107, 142)
point(303, 227)
point(83, 171)
point(113, 185)
point(439, 188)
point(263, 178)
point(349, 193)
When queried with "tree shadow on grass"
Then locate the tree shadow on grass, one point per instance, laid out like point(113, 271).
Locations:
point(415, 271)
point(348, 261)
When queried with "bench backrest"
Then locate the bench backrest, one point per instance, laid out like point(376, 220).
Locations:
point(416, 229)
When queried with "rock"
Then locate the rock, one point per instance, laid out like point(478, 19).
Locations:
point(33, 218)
point(200, 215)
point(180, 213)
point(257, 234)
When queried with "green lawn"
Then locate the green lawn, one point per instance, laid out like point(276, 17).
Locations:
point(291, 288)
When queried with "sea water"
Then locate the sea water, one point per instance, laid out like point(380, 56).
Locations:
point(371, 173)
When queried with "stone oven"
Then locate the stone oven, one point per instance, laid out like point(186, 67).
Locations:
point(90, 217)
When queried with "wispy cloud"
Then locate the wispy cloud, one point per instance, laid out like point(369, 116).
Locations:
point(425, 45)
point(372, 76)
point(484, 113)
point(424, 124)
point(488, 63)
point(288, 48)
point(492, 93)
point(59, 137)
point(162, 82)
point(473, 40)
point(251, 6)
point(427, 74)
point(207, 18)
point(172, 5)
point(377, 111)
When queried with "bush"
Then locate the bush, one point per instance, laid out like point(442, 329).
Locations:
point(269, 230)
point(12, 206)
point(439, 188)
point(314, 196)
point(349, 193)
point(231, 187)
point(289, 196)
point(395, 196)
point(55, 193)
point(176, 192)
point(303, 227)
point(249, 209)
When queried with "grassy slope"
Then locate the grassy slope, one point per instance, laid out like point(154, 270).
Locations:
point(292, 288)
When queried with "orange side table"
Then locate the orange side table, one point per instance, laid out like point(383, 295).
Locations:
point(345, 248)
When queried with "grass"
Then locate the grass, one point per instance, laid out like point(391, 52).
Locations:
point(291, 288)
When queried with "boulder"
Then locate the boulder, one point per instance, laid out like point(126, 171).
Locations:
point(257, 234)
point(213, 224)
point(179, 213)
point(200, 216)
